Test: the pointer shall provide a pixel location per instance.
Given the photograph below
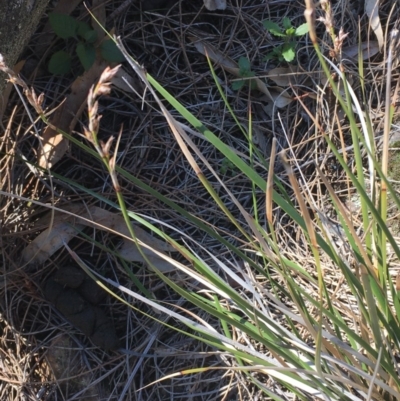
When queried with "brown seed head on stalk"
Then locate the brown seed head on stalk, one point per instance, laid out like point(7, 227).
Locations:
point(327, 19)
point(105, 147)
point(33, 99)
point(309, 15)
point(338, 43)
point(103, 86)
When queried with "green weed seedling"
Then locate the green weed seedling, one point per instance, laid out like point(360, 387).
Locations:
point(244, 72)
point(288, 32)
point(67, 27)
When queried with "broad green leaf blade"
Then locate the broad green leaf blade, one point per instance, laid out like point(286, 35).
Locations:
point(110, 52)
point(302, 29)
point(90, 36)
point(64, 25)
point(288, 52)
point(86, 54)
point(273, 28)
point(82, 28)
point(244, 64)
point(237, 85)
point(286, 23)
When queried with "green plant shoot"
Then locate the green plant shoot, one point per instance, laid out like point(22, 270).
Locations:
point(67, 27)
point(288, 32)
point(245, 72)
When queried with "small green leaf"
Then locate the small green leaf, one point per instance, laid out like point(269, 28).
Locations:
point(273, 28)
point(60, 63)
point(83, 27)
point(276, 53)
point(269, 56)
point(86, 54)
point(291, 31)
point(302, 29)
point(237, 85)
point(286, 23)
point(90, 36)
point(64, 25)
point(244, 64)
point(110, 52)
point(288, 52)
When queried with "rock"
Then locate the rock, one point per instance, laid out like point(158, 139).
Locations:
point(91, 291)
point(52, 290)
point(74, 295)
point(69, 276)
point(84, 320)
point(69, 302)
point(104, 335)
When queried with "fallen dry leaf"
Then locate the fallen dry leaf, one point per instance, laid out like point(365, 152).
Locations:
point(292, 75)
point(368, 49)
point(372, 10)
point(281, 97)
point(65, 226)
point(49, 241)
point(124, 81)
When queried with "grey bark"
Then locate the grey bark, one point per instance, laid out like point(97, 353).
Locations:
point(18, 21)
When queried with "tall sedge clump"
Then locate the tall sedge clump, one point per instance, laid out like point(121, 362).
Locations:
point(275, 315)
point(372, 279)
point(322, 346)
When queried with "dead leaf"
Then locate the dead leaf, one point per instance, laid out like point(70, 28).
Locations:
point(215, 55)
point(292, 75)
point(226, 63)
point(49, 241)
point(280, 99)
point(280, 96)
point(372, 10)
point(213, 5)
point(126, 82)
point(368, 49)
point(67, 225)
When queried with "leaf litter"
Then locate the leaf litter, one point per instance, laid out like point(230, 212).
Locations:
point(63, 227)
point(155, 135)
